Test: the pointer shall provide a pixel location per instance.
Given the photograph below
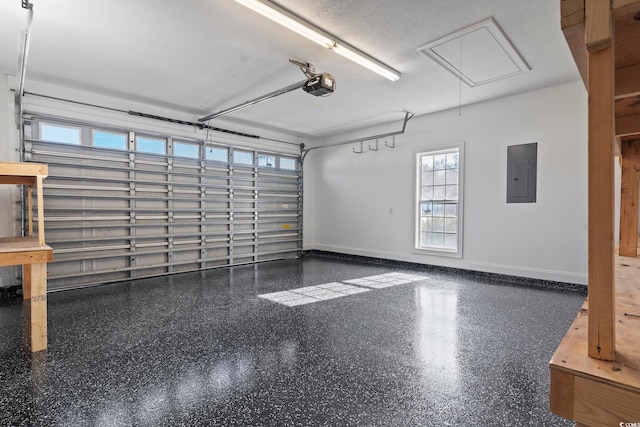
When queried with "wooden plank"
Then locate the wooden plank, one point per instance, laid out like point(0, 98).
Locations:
point(40, 211)
point(17, 180)
point(628, 106)
point(629, 188)
point(597, 24)
point(21, 244)
point(600, 404)
point(628, 126)
point(26, 282)
point(628, 81)
point(23, 250)
point(627, 36)
point(601, 342)
point(25, 257)
point(571, 14)
point(617, 4)
point(23, 169)
point(38, 307)
point(561, 393)
point(30, 210)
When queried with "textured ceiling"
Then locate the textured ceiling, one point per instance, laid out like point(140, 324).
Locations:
point(201, 56)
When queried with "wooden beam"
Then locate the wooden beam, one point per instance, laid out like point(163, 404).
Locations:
point(601, 342)
point(18, 180)
point(571, 13)
point(628, 126)
point(628, 81)
point(597, 24)
point(40, 211)
point(23, 169)
point(630, 186)
point(621, 3)
point(26, 282)
point(30, 210)
point(627, 35)
point(575, 39)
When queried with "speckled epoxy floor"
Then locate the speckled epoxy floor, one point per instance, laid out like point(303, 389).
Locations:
point(203, 349)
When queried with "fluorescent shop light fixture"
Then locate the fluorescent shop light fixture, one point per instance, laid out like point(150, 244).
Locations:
point(315, 34)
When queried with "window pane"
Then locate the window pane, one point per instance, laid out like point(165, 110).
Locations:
point(451, 209)
point(452, 160)
point(427, 178)
point(218, 153)
point(426, 239)
point(266, 161)
point(451, 225)
point(56, 133)
point(451, 241)
point(439, 161)
point(438, 224)
point(103, 139)
point(287, 163)
point(150, 145)
point(439, 177)
point(427, 193)
point(242, 157)
point(439, 192)
point(184, 149)
point(452, 192)
point(452, 176)
point(438, 240)
point(427, 163)
point(426, 224)
point(426, 209)
point(438, 209)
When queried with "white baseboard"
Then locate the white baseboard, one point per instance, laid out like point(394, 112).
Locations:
point(510, 270)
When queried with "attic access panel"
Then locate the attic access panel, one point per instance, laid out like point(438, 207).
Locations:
point(477, 54)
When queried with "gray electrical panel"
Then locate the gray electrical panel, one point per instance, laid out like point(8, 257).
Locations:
point(522, 163)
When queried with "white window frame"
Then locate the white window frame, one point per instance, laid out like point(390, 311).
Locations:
point(417, 200)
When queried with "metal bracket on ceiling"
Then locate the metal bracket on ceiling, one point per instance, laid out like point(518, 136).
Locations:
point(307, 68)
point(407, 116)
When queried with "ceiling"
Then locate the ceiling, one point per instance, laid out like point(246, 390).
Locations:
point(202, 56)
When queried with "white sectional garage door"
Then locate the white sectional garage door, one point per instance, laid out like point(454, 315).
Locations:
point(121, 204)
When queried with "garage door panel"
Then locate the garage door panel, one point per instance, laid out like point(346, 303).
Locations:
point(115, 214)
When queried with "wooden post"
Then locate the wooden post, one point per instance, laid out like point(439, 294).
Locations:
point(26, 282)
point(38, 305)
point(30, 209)
point(601, 342)
point(40, 211)
point(630, 154)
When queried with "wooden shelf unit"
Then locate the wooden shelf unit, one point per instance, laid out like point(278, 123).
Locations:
point(31, 252)
point(595, 372)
